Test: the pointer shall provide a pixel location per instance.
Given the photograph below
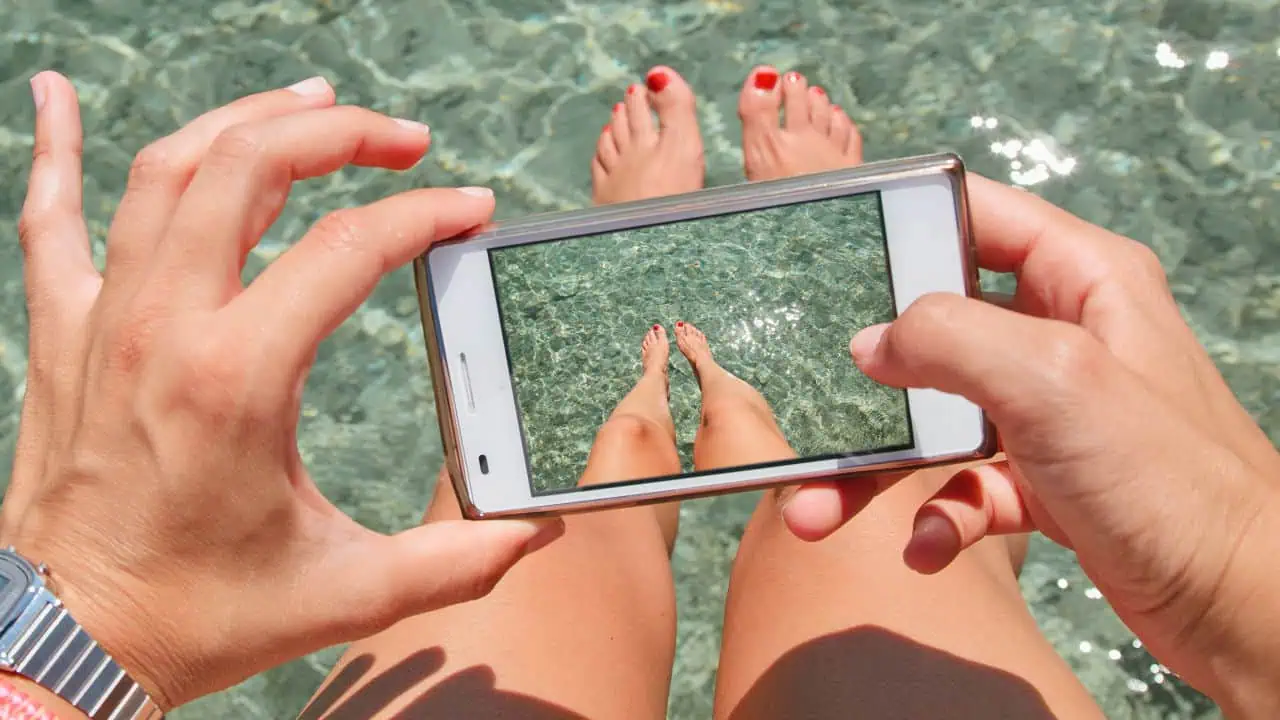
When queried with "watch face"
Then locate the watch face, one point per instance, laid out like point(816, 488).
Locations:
point(16, 575)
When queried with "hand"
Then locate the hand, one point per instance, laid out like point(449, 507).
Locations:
point(1123, 442)
point(157, 471)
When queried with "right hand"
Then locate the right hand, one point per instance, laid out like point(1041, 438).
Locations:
point(1122, 440)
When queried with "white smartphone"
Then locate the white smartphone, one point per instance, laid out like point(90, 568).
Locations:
point(538, 329)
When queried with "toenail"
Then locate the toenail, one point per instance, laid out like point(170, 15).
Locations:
point(606, 128)
point(655, 327)
point(793, 77)
point(819, 90)
point(617, 108)
point(631, 89)
point(766, 79)
point(657, 81)
point(680, 323)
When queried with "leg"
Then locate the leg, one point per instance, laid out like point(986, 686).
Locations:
point(737, 425)
point(642, 418)
point(584, 628)
point(814, 629)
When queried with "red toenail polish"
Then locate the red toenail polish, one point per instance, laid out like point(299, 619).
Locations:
point(655, 327)
point(793, 77)
point(617, 108)
point(680, 324)
point(606, 129)
point(631, 89)
point(657, 81)
point(819, 90)
point(766, 79)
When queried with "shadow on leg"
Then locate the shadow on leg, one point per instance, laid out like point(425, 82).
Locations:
point(815, 629)
point(584, 628)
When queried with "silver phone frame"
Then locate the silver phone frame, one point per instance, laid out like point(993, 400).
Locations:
point(703, 203)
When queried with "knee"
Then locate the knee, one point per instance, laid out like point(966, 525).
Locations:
point(626, 429)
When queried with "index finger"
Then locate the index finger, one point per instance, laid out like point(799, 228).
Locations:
point(302, 297)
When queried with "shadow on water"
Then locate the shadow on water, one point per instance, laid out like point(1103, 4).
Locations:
point(865, 672)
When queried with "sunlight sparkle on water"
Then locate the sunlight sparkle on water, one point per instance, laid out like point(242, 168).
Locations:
point(1217, 60)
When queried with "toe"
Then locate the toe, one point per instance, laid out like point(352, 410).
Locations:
point(673, 99)
point(841, 127)
point(760, 99)
point(853, 146)
point(607, 149)
point(820, 110)
point(639, 115)
point(621, 128)
point(795, 101)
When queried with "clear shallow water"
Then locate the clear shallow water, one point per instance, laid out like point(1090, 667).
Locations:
point(1157, 118)
point(775, 291)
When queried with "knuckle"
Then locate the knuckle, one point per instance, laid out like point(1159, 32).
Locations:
point(1072, 359)
point(927, 313)
point(128, 346)
point(155, 164)
point(240, 144)
point(338, 231)
point(210, 382)
point(1146, 261)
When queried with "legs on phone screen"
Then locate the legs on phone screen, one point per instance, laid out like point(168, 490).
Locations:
point(842, 628)
point(584, 628)
point(737, 425)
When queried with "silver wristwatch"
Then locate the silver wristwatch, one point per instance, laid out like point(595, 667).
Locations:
point(39, 640)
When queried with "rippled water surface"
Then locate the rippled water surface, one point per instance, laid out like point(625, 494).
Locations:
point(1157, 118)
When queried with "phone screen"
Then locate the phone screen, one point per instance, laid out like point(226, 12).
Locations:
point(749, 367)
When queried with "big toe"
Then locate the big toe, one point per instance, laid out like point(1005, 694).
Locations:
point(673, 100)
point(760, 98)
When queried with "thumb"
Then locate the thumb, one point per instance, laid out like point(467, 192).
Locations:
point(1020, 369)
point(433, 566)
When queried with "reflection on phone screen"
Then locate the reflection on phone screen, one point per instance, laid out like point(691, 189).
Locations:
point(762, 302)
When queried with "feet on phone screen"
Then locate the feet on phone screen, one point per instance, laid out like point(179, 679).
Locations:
point(655, 351)
point(813, 136)
point(637, 157)
point(693, 345)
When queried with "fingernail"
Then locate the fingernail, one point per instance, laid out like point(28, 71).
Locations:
point(476, 191)
point(766, 79)
point(864, 343)
point(414, 125)
point(311, 87)
point(548, 532)
point(657, 81)
point(37, 91)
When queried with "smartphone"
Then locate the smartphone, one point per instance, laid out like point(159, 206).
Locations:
point(543, 332)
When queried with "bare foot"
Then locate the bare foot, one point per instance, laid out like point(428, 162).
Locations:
point(815, 135)
point(693, 345)
point(636, 158)
point(655, 350)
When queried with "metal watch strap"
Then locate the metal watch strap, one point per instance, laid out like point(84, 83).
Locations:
point(58, 655)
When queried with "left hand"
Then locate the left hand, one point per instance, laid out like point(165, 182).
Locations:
point(157, 471)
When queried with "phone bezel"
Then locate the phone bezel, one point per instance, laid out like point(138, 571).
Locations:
point(923, 200)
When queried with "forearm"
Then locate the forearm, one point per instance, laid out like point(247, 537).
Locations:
point(1248, 672)
point(18, 694)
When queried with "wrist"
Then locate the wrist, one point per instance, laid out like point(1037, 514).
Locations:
point(1246, 673)
point(104, 603)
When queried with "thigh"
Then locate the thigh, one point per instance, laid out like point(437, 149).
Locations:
point(842, 628)
point(584, 628)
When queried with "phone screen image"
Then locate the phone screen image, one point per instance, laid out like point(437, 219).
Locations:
point(770, 297)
